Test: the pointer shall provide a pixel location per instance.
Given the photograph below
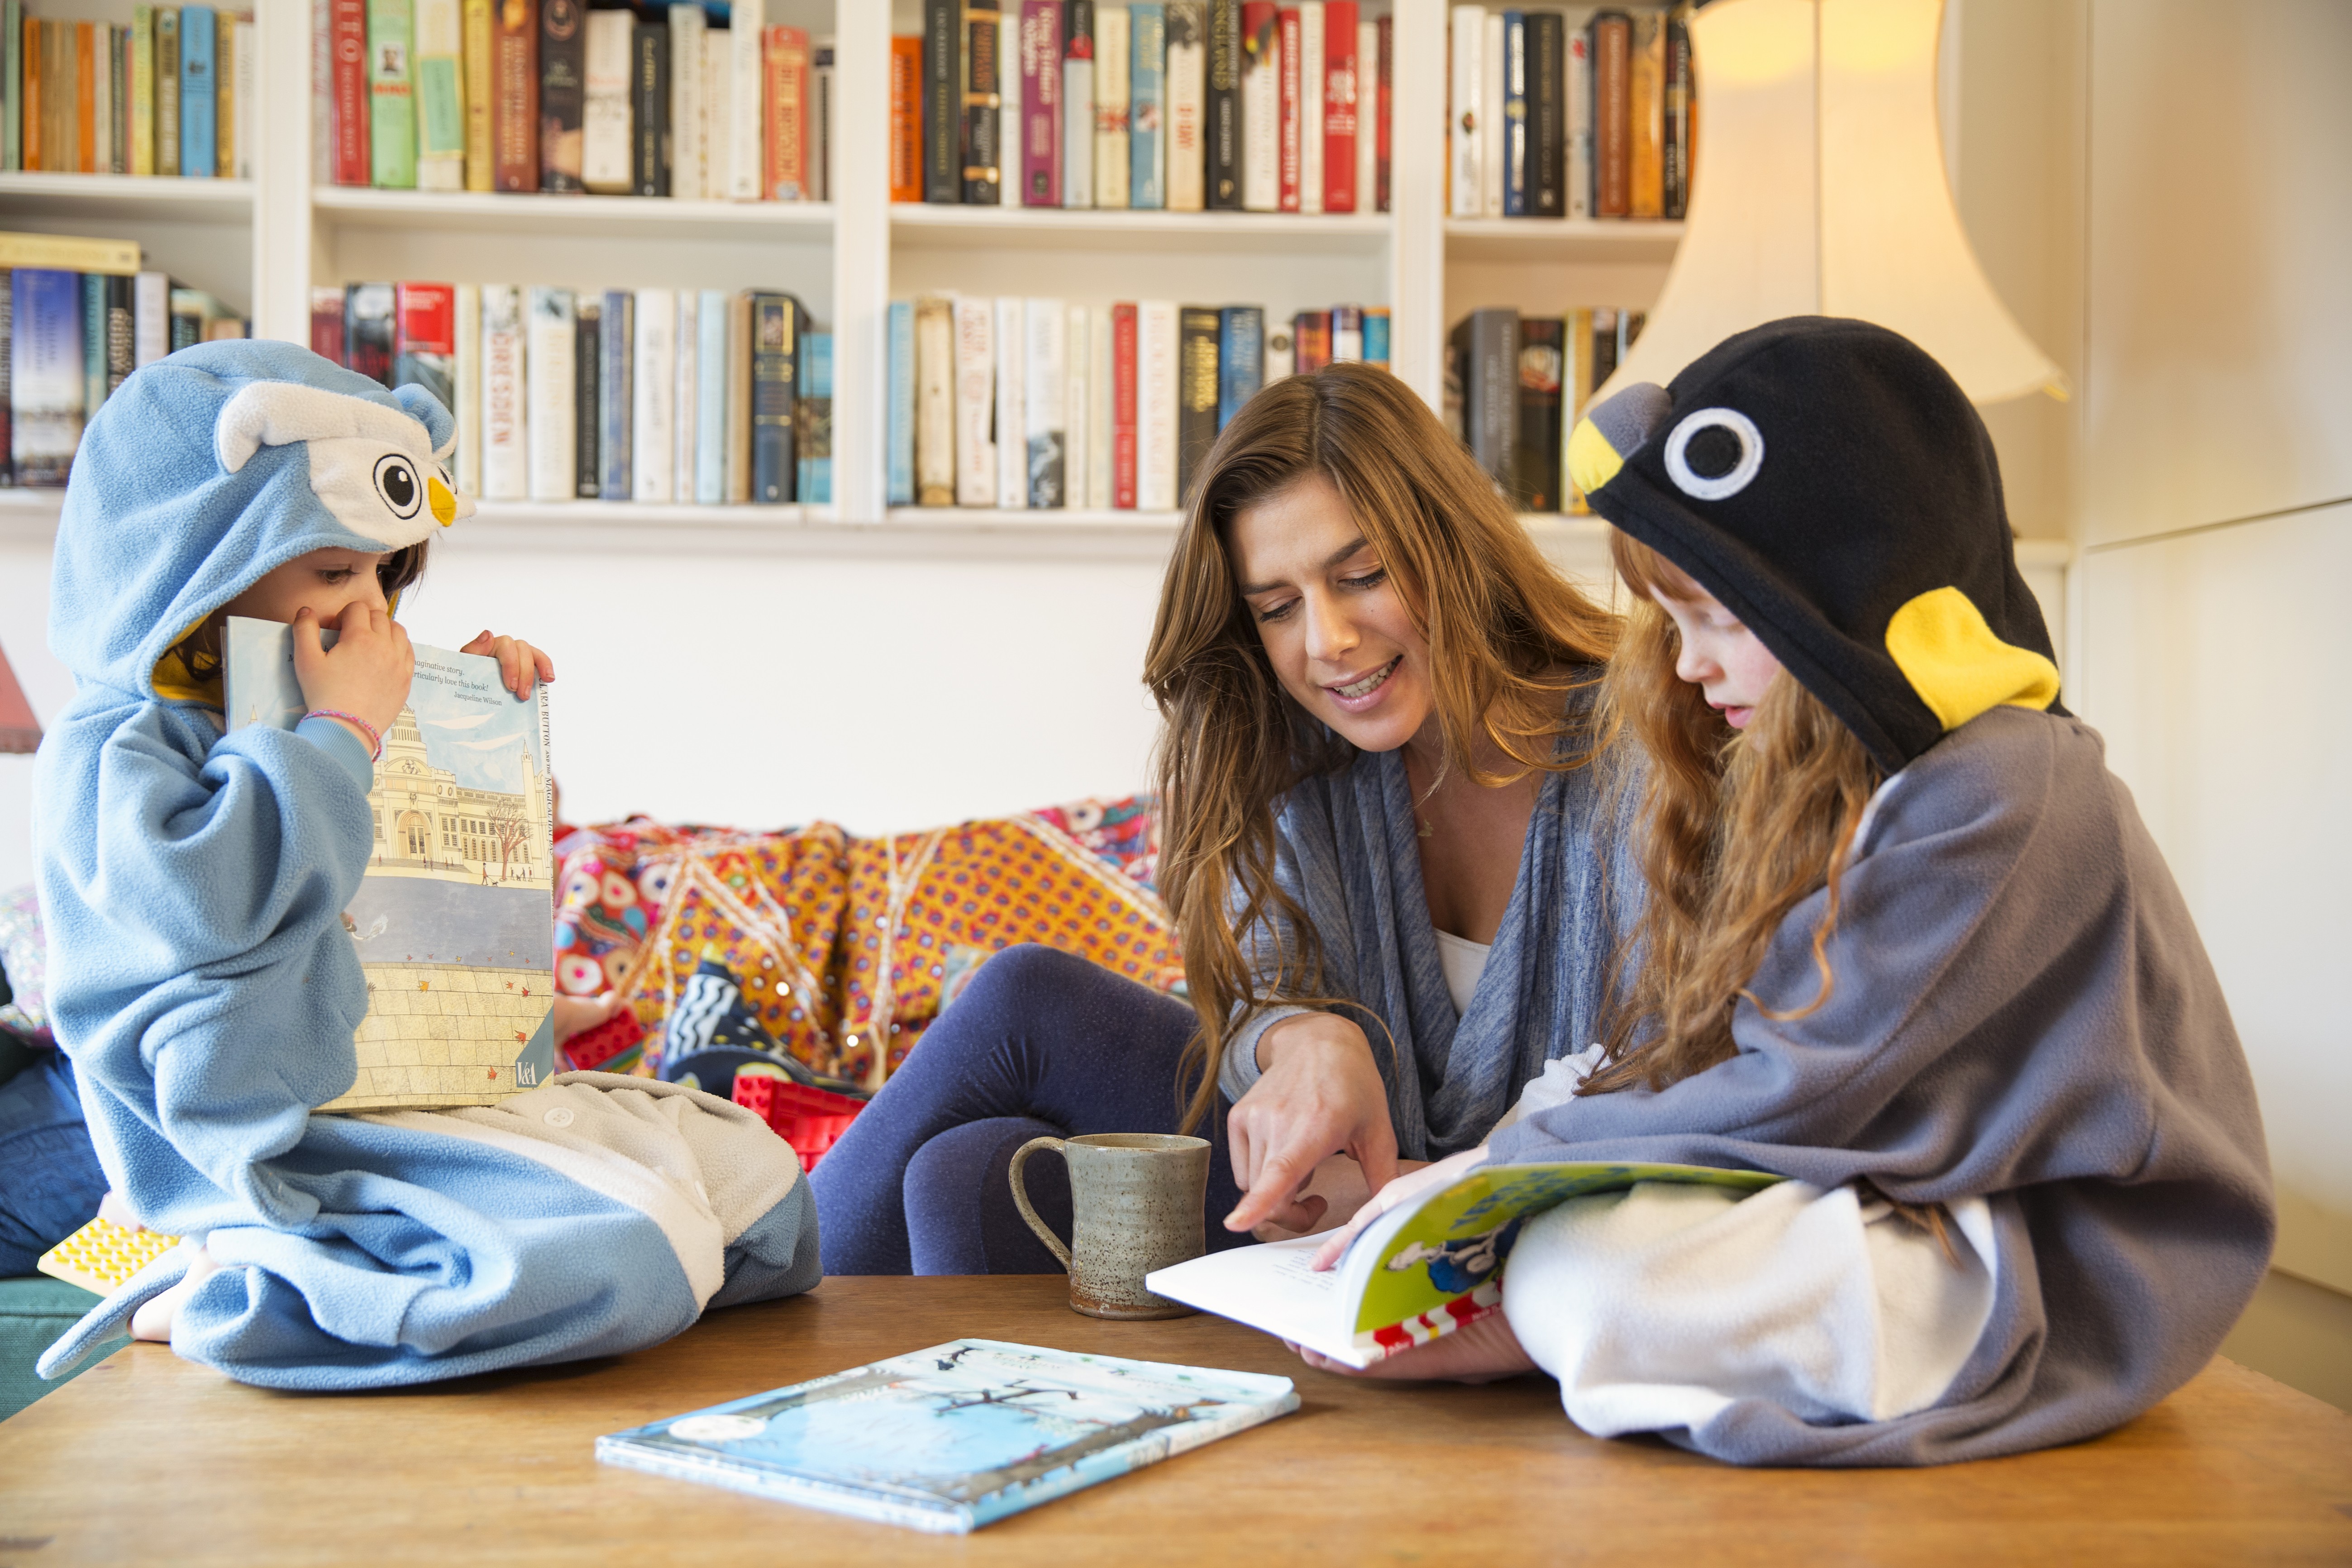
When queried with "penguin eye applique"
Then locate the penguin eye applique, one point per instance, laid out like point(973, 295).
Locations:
point(396, 480)
point(1714, 453)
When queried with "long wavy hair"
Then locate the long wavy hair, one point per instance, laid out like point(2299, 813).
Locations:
point(1510, 640)
point(1739, 828)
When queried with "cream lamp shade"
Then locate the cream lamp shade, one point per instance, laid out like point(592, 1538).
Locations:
point(1820, 189)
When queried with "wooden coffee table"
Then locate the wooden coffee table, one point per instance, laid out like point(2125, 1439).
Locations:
point(149, 1459)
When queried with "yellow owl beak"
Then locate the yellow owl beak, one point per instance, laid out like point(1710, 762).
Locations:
point(443, 499)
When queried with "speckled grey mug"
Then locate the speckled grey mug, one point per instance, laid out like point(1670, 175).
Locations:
point(1135, 1206)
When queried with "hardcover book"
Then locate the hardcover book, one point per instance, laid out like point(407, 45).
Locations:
point(1514, 114)
point(551, 350)
point(1311, 93)
point(1261, 106)
point(450, 923)
point(199, 110)
point(1536, 479)
point(788, 149)
point(588, 395)
point(1609, 46)
point(481, 93)
point(1045, 388)
point(1012, 364)
point(776, 322)
point(368, 332)
point(1546, 165)
point(982, 105)
point(935, 403)
point(649, 109)
point(467, 466)
point(1465, 129)
point(1221, 135)
point(812, 421)
point(514, 77)
point(898, 443)
point(47, 384)
point(1079, 103)
point(563, 94)
point(167, 88)
point(1241, 359)
point(1645, 105)
point(1041, 103)
point(942, 106)
point(616, 394)
point(1341, 118)
point(746, 137)
point(1156, 363)
point(424, 350)
point(906, 117)
point(440, 97)
point(606, 140)
point(975, 400)
point(1196, 394)
point(1292, 126)
point(505, 431)
point(688, 127)
point(1185, 89)
point(1112, 58)
point(714, 398)
point(654, 378)
point(392, 125)
point(955, 1436)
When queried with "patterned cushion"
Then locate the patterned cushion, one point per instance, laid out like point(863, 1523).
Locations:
point(24, 955)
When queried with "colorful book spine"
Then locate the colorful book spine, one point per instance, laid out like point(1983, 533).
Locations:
point(514, 81)
point(787, 169)
point(1515, 150)
point(481, 93)
point(616, 395)
point(167, 89)
point(906, 117)
point(1078, 104)
point(550, 351)
point(812, 419)
point(142, 87)
point(121, 347)
point(1147, 183)
point(1114, 58)
point(1041, 103)
point(12, 129)
point(1346, 334)
point(368, 330)
point(1126, 404)
point(1156, 363)
point(1012, 419)
point(1376, 336)
point(1044, 387)
point(711, 398)
point(45, 381)
point(776, 379)
point(899, 435)
point(1612, 153)
point(935, 372)
point(1342, 119)
point(468, 453)
point(1241, 359)
point(93, 343)
point(1293, 124)
point(1312, 92)
point(1535, 470)
point(1221, 134)
point(391, 121)
point(1198, 393)
point(425, 345)
point(649, 123)
point(440, 96)
point(982, 105)
point(588, 396)
point(506, 425)
point(1547, 105)
point(563, 94)
point(942, 107)
point(1261, 106)
point(653, 373)
point(1646, 103)
point(199, 108)
point(975, 401)
point(1311, 341)
point(606, 137)
point(1186, 89)
point(326, 322)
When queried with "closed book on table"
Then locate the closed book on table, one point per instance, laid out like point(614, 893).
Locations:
point(1241, 359)
point(899, 434)
point(1044, 384)
point(1079, 103)
point(46, 383)
point(906, 117)
point(935, 401)
point(1221, 134)
point(199, 108)
point(787, 168)
point(982, 105)
point(776, 322)
point(1125, 405)
point(467, 464)
point(1612, 149)
point(713, 399)
point(506, 423)
point(167, 90)
point(1114, 58)
point(588, 395)
point(975, 400)
point(1514, 114)
point(1156, 366)
point(563, 94)
point(326, 322)
point(514, 115)
point(1011, 418)
point(1466, 128)
point(1041, 103)
point(481, 92)
point(1077, 404)
point(942, 104)
point(550, 409)
point(425, 348)
point(1645, 107)
point(1146, 148)
point(1197, 390)
point(1547, 157)
point(1536, 464)
point(1185, 89)
point(653, 371)
point(1293, 124)
point(687, 26)
point(1680, 102)
point(649, 111)
point(440, 90)
point(368, 331)
point(616, 393)
point(812, 422)
point(1484, 348)
point(1261, 106)
point(607, 135)
point(1343, 97)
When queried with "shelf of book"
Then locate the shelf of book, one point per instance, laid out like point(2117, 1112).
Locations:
point(1529, 240)
point(112, 197)
point(922, 225)
point(477, 212)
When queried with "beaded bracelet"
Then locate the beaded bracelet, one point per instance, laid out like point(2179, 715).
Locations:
point(374, 740)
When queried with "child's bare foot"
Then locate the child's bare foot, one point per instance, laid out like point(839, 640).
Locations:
point(154, 1319)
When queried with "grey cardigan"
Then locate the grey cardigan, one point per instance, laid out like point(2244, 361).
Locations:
point(1349, 851)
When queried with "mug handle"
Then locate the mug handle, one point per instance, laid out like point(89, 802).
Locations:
point(1021, 1195)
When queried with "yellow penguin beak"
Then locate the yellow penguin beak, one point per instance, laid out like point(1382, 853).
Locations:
point(443, 500)
point(1592, 462)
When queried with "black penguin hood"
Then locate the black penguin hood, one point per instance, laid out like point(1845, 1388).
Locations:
point(1831, 485)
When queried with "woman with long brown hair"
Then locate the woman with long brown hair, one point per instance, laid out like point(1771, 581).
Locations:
point(1384, 842)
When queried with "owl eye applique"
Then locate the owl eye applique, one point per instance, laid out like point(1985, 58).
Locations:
point(1713, 453)
point(397, 482)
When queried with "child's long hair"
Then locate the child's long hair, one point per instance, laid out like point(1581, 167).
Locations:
point(199, 653)
point(1739, 828)
point(1509, 640)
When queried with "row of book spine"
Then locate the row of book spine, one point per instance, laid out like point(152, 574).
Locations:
point(1516, 386)
point(1577, 113)
point(548, 95)
point(643, 394)
point(67, 339)
point(1181, 105)
point(1021, 403)
point(171, 93)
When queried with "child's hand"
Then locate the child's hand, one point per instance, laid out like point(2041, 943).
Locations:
point(521, 666)
point(366, 673)
point(1486, 1348)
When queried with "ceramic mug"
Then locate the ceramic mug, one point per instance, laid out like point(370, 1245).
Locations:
point(1135, 1206)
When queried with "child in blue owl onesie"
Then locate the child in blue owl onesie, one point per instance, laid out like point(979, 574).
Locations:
point(200, 977)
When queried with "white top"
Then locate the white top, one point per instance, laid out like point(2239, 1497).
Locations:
point(1464, 962)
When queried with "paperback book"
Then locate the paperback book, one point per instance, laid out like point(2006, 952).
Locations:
point(1426, 1267)
point(450, 923)
point(955, 1436)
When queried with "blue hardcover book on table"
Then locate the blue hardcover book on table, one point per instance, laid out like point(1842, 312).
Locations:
point(955, 1436)
point(1514, 114)
point(1241, 358)
point(901, 431)
point(814, 411)
point(710, 394)
point(198, 111)
point(617, 393)
point(1147, 185)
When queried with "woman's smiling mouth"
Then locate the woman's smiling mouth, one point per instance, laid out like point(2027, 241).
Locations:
point(1361, 689)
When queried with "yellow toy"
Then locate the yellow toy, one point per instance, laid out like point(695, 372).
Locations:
point(102, 1255)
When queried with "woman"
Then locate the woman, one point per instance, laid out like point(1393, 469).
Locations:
point(1383, 844)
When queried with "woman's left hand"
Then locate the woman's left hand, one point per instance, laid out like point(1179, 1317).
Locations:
point(1481, 1352)
point(521, 666)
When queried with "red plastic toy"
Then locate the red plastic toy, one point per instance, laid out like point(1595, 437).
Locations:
point(810, 1119)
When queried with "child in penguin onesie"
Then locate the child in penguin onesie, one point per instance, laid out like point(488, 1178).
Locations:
point(200, 974)
point(1907, 944)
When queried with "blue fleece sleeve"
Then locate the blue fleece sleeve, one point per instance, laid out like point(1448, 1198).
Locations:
point(338, 743)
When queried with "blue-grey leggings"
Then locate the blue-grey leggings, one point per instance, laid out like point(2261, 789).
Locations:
point(1041, 1045)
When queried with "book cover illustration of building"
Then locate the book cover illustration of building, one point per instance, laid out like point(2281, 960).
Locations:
point(452, 922)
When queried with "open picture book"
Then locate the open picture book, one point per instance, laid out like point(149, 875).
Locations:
point(453, 923)
point(1424, 1268)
